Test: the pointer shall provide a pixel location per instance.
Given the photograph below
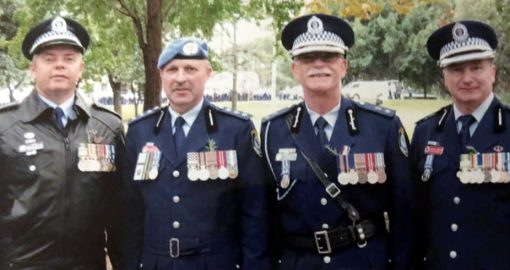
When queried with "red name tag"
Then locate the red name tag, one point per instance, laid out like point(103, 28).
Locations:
point(434, 150)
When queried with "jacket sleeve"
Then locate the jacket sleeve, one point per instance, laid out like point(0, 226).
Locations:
point(133, 208)
point(254, 203)
point(400, 215)
point(114, 223)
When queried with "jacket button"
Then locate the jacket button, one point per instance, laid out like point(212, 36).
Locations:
point(176, 199)
point(454, 227)
point(324, 201)
point(325, 226)
point(453, 254)
point(176, 224)
point(456, 200)
point(327, 259)
point(32, 168)
point(176, 173)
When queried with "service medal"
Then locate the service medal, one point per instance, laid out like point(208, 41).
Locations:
point(285, 182)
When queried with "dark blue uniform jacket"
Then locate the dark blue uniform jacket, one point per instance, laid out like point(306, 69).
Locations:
point(304, 207)
point(464, 226)
point(219, 224)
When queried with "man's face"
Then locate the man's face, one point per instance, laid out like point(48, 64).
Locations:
point(470, 83)
point(184, 82)
point(319, 72)
point(56, 71)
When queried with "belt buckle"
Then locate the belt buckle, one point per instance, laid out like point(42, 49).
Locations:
point(174, 247)
point(361, 239)
point(322, 242)
point(332, 190)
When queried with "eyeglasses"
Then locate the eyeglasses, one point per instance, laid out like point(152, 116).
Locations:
point(323, 56)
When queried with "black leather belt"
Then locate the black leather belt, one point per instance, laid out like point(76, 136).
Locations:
point(327, 241)
point(178, 247)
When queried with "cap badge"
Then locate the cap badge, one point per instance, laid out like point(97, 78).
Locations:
point(190, 48)
point(58, 25)
point(460, 32)
point(315, 25)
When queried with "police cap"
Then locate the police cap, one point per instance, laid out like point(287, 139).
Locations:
point(462, 41)
point(183, 48)
point(317, 33)
point(55, 31)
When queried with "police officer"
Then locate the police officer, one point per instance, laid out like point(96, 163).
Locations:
point(58, 157)
point(461, 158)
point(339, 167)
point(195, 188)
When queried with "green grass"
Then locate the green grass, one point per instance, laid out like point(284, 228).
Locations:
point(409, 111)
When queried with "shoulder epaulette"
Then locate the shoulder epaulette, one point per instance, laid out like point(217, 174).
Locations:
point(238, 114)
point(104, 109)
point(9, 106)
point(441, 113)
point(279, 113)
point(375, 108)
point(150, 112)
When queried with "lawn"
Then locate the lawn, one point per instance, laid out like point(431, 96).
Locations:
point(409, 111)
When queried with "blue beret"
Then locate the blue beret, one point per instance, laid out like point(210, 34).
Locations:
point(55, 31)
point(317, 32)
point(462, 41)
point(183, 48)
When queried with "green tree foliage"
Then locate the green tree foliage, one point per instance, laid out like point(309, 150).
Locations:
point(128, 32)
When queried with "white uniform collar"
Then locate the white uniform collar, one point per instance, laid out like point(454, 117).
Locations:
point(479, 112)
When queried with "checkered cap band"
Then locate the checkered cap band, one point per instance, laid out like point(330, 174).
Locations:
point(308, 42)
point(470, 44)
point(54, 36)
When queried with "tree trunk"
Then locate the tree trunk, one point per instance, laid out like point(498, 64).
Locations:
point(234, 74)
point(116, 88)
point(135, 97)
point(151, 53)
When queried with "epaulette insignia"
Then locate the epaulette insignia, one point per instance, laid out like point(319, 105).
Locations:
point(146, 114)
point(104, 109)
point(238, 114)
point(441, 113)
point(499, 118)
point(279, 113)
point(9, 106)
point(375, 108)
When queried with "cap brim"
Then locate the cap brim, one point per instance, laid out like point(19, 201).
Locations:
point(466, 57)
point(318, 48)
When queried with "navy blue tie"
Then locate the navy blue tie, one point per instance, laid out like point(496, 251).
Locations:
point(58, 114)
point(179, 136)
point(321, 124)
point(466, 121)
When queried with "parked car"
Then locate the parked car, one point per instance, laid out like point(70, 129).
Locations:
point(373, 91)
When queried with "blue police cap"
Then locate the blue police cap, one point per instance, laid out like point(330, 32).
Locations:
point(55, 31)
point(183, 48)
point(317, 32)
point(462, 41)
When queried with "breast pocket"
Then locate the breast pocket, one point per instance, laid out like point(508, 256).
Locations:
point(433, 168)
point(287, 182)
point(23, 172)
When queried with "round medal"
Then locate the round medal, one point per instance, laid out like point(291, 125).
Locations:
point(372, 177)
point(153, 173)
point(82, 165)
point(343, 179)
point(285, 182)
point(363, 177)
point(203, 174)
point(353, 177)
point(381, 176)
point(232, 172)
point(213, 173)
point(495, 176)
point(223, 173)
point(192, 174)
